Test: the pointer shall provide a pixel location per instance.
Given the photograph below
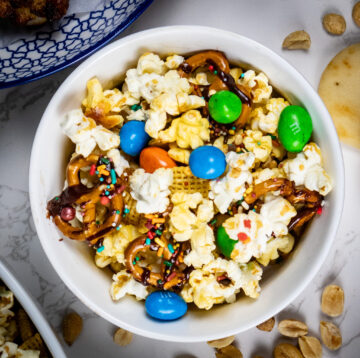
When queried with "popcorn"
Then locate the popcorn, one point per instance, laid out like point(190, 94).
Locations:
point(174, 104)
point(219, 143)
point(151, 190)
point(150, 63)
point(166, 102)
point(261, 175)
point(189, 130)
point(6, 317)
point(174, 83)
point(278, 212)
point(268, 122)
point(202, 244)
point(145, 86)
point(204, 289)
point(231, 187)
point(6, 299)
point(11, 350)
point(252, 231)
point(124, 284)
point(84, 132)
point(151, 85)
point(115, 245)
point(179, 154)
point(118, 100)
point(278, 151)
point(120, 163)
point(8, 329)
point(187, 102)
point(283, 244)
point(100, 106)
point(252, 273)
point(236, 72)
point(258, 84)
point(182, 219)
point(139, 115)
point(174, 61)
point(259, 144)
point(306, 169)
point(200, 79)
point(155, 123)
point(95, 94)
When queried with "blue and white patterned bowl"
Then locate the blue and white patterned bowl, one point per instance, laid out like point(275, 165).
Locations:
point(75, 37)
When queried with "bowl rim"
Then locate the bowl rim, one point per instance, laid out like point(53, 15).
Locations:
point(32, 308)
point(81, 55)
point(339, 200)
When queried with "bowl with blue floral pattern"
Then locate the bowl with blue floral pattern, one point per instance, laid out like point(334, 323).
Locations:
point(36, 53)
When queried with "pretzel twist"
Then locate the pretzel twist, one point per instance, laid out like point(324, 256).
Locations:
point(87, 198)
point(310, 198)
point(223, 81)
point(145, 276)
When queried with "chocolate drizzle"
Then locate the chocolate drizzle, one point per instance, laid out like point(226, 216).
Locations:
point(229, 81)
point(100, 233)
point(145, 277)
point(69, 196)
point(185, 67)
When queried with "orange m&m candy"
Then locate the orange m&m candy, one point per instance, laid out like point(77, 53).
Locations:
point(152, 158)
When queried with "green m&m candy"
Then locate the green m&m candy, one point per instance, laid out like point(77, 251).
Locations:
point(294, 128)
point(224, 243)
point(225, 107)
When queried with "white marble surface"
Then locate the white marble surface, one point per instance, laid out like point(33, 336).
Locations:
point(20, 112)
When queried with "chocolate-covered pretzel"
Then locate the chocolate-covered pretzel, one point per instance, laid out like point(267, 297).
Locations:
point(223, 81)
point(157, 279)
point(311, 199)
point(87, 198)
point(285, 186)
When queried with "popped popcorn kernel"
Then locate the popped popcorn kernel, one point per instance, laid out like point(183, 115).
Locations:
point(283, 244)
point(258, 85)
point(258, 144)
point(124, 284)
point(190, 130)
point(179, 154)
point(306, 169)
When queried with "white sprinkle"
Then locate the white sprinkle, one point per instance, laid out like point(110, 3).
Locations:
point(245, 205)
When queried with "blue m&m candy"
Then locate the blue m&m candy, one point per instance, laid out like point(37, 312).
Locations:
point(165, 305)
point(133, 138)
point(207, 162)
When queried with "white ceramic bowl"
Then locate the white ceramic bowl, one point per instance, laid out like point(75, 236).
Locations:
point(72, 260)
point(33, 310)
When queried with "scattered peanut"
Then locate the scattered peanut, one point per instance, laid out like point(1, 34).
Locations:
point(292, 328)
point(334, 24)
point(229, 352)
point(310, 347)
point(267, 326)
point(286, 350)
point(221, 343)
point(330, 335)
point(298, 40)
point(356, 13)
point(332, 301)
point(122, 337)
point(72, 327)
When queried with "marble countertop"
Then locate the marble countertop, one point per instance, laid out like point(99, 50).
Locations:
point(21, 109)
